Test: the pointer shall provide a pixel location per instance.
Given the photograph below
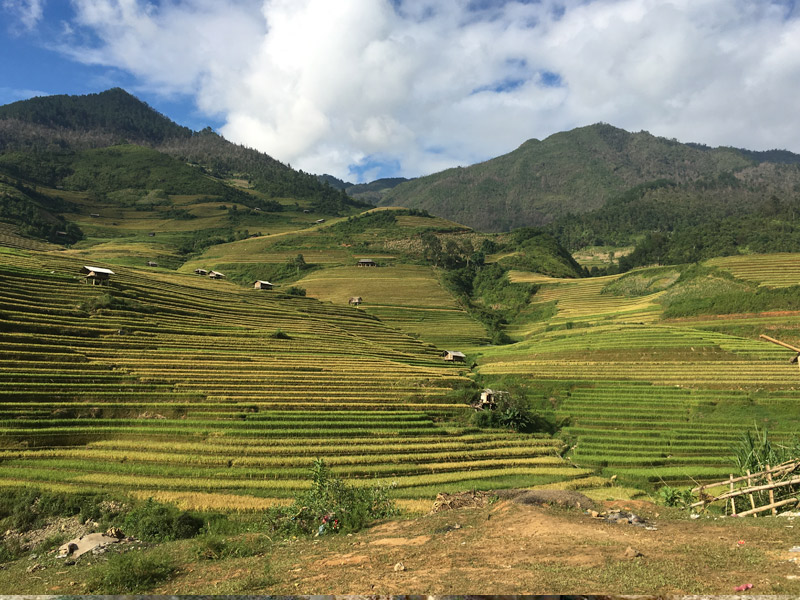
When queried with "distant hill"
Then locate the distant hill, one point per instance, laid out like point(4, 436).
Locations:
point(580, 171)
point(52, 126)
point(369, 192)
point(114, 112)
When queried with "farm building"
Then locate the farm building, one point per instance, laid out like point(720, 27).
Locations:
point(201, 272)
point(320, 220)
point(151, 234)
point(151, 263)
point(489, 399)
point(366, 262)
point(355, 300)
point(263, 285)
point(453, 356)
point(216, 275)
point(94, 215)
point(97, 275)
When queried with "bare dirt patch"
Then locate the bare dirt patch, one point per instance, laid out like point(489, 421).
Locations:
point(513, 548)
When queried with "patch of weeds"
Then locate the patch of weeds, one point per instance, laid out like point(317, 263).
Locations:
point(216, 547)
point(280, 335)
point(132, 572)
point(10, 549)
point(258, 578)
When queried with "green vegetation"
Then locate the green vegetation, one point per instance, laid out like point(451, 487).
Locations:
point(133, 572)
point(332, 506)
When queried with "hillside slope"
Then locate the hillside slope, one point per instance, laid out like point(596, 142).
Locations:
point(579, 171)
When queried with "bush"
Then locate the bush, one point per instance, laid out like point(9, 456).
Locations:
point(670, 496)
point(25, 509)
point(280, 335)
point(132, 572)
point(160, 522)
point(333, 506)
point(10, 549)
point(296, 291)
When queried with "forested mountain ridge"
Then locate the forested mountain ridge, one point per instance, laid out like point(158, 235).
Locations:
point(54, 126)
point(580, 171)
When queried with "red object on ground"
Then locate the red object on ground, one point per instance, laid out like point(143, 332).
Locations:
point(743, 587)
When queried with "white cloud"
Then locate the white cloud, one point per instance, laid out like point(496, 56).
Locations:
point(430, 84)
point(27, 13)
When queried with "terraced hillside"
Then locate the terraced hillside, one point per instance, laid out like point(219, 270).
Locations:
point(652, 399)
point(408, 297)
point(215, 395)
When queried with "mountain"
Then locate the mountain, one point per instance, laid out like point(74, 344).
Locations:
point(368, 192)
point(45, 130)
point(582, 170)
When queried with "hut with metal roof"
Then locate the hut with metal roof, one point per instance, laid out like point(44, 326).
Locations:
point(263, 285)
point(97, 275)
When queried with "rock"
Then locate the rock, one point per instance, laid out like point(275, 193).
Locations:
point(631, 552)
point(114, 532)
point(34, 567)
point(399, 567)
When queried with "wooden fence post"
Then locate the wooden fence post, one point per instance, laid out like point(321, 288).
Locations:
point(752, 500)
point(733, 500)
point(771, 492)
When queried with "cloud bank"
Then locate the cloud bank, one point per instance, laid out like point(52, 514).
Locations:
point(367, 88)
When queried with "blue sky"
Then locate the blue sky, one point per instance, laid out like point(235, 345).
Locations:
point(374, 88)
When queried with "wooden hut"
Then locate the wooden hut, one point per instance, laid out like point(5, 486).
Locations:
point(453, 356)
point(355, 300)
point(97, 275)
point(366, 262)
point(216, 275)
point(151, 263)
point(263, 285)
point(201, 272)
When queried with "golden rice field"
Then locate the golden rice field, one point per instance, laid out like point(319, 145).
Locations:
point(582, 300)
point(408, 297)
point(772, 270)
point(180, 384)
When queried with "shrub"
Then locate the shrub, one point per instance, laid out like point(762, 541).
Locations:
point(670, 496)
point(333, 506)
point(132, 572)
point(160, 522)
point(280, 335)
point(10, 549)
point(296, 291)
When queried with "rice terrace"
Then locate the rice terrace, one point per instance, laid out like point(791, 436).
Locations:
point(470, 408)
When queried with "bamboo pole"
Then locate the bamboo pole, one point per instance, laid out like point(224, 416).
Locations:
point(780, 343)
point(733, 499)
point(752, 500)
point(787, 466)
point(772, 506)
point(771, 492)
point(742, 491)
